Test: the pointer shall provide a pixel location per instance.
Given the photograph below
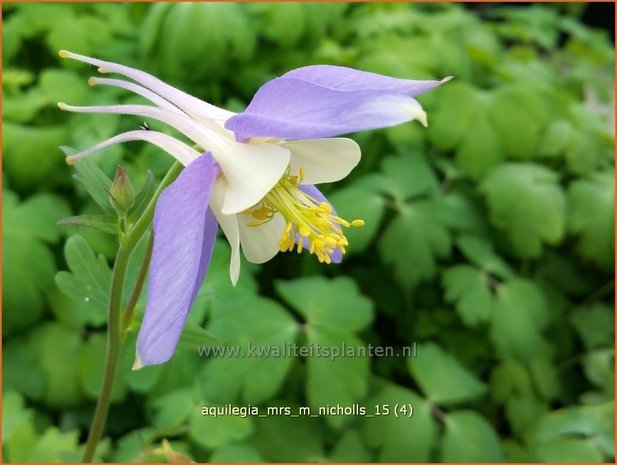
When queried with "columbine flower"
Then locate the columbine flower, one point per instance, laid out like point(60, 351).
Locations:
point(253, 173)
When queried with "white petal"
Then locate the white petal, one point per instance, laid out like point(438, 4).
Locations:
point(186, 102)
point(323, 160)
point(260, 243)
point(137, 89)
point(251, 171)
point(197, 132)
point(229, 225)
point(179, 150)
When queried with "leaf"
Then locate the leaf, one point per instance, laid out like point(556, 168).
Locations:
point(350, 448)
point(91, 366)
point(569, 450)
point(60, 85)
point(519, 317)
point(328, 303)
point(478, 250)
point(469, 289)
point(236, 452)
point(527, 204)
point(592, 217)
point(481, 149)
point(29, 263)
point(442, 378)
point(595, 324)
point(358, 201)
point(258, 374)
point(402, 439)
point(281, 438)
point(407, 176)
point(105, 223)
point(519, 114)
point(413, 241)
point(58, 349)
point(333, 310)
point(89, 280)
point(30, 155)
point(469, 437)
point(452, 120)
point(508, 379)
point(194, 335)
point(96, 182)
point(174, 408)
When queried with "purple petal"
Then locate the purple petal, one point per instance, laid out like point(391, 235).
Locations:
point(350, 80)
point(289, 108)
point(184, 235)
point(311, 190)
point(324, 101)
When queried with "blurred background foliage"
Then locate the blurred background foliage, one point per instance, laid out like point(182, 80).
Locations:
point(489, 240)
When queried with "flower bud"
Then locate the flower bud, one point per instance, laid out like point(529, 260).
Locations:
point(121, 193)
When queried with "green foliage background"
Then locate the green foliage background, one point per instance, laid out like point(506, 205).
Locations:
point(489, 241)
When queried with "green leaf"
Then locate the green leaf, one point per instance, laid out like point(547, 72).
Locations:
point(96, 182)
point(508, 379)
point(522, 411)
point(414, 240)
point(592, 217)
point(281, 438)
point(569, 450)
point(442, 378)
point(59, 350)
point(469, 437)
point(599, 366)
point(350, 448)
point(402, 439)
point(519, 317)
point(595, 324)
point(91, 367)
point(519, 114)
point(89, 280)
point(469, 289)
point(59, 85)
point(358, 201)
point(26, 229)
point(194, 335)
point(21, 369)
point(333, 309)
point(407, 176)
point(30, 155)
point(478, 250)
point(334, 304)
point(105, 223)
point(14, 414)
point(527, 204)
point(236, 452)
point(258, 374)
point(212, 432)
point(452, 120)
point(174, 408)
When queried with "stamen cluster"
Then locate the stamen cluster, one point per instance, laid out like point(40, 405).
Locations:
point(310, 224)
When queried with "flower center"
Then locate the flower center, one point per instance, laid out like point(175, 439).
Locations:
point(310, 224)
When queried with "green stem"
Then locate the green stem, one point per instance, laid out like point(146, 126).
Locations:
point(139, 284)
point(114, 346)
point(128, 243)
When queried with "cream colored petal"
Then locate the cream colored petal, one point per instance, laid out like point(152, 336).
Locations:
point(229, 225)
point(323, 160)
point(260, 243)
point(251, 171)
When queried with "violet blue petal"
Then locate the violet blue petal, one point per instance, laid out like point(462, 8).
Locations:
point(184, 235)
point(290, 108)
point(312, 191)
point(350, 80)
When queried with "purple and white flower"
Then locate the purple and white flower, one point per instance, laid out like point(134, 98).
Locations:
point(254, 173)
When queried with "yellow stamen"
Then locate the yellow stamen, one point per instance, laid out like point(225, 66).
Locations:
point(306, 219)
